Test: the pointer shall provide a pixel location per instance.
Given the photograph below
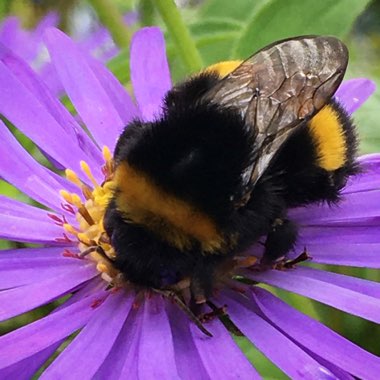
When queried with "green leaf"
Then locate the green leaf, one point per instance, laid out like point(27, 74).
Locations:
point(280, 19)
point(237, 9)
point(215, 38)
point(366, 120)
point(364, 63)
point(217, 47)
point(214, 26)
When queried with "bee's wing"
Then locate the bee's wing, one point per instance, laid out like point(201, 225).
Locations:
point(277, 88)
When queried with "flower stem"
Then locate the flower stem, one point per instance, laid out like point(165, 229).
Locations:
point(180, 34)
point(4, 8)
point(112, 19)
point(146, 10)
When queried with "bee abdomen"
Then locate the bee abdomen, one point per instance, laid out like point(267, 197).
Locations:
point(334, 138)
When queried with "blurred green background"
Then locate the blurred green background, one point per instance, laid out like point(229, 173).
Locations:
point(220, 30)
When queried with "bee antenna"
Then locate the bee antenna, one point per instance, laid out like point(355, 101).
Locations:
point(174, 296)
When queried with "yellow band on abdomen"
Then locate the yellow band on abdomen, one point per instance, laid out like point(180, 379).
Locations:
point(328, 134)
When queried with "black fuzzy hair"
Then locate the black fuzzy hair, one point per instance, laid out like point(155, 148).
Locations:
point(196, 151)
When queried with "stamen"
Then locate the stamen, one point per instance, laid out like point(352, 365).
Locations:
point(86, 215)
point(70, 229)
point(107, 154)
point(108, 168)
point(96, 303)
point(58, 220)
point(66, 196)
point(68, 253)
point(87, 192)
point(82, 237)
point(65, 239)
point(68, 208)
point(101, 267)
point(76, 201)
point(72, 177)
point(86, 169)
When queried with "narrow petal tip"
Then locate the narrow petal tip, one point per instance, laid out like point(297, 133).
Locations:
point(354, 92)
point(52, 34)
point(150, 72)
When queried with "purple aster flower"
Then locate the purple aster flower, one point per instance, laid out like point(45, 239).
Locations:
point(127, 335)
point(29, 45)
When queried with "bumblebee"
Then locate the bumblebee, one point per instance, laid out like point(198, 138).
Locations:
point(236, 146)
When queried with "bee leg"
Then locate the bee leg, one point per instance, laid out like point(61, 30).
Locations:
point(170, 294)
point(197, 291)
point(203, 278)
point(280, 240)
point(304, 256)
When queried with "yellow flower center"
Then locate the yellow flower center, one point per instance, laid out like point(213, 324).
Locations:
point(93, 241)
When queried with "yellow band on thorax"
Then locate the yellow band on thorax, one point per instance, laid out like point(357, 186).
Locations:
point(223, 68)
point(175, 220)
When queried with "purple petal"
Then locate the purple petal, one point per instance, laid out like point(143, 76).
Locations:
point(25, 369)
point(24, 110)
point(213, 350)
point(342, 295)
point(34, 84)
point(49, 75)
point(29, 230)
point(99, 43)
point(150, 73)
point(25, 266)
point(84, 89)
point(365, 234)
point(150, 353)
point(9, 206)
point(354, 92)
point(369, 179)
point(19, 300)
point(104, 326)
point(95, 39)
point(35, 337)
point(308, 333)
point(9, 29)
point(353, 206)
point(347, 254)
point(155, 351)
point(49, 21)
point(28, 366)
point(119, 97)
point(337, 373)
point(21, 41)
point(22, 171)
point(184, 347)
point(127, 340)
point(370, 159)
point(359, 285)
point(276, 346)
